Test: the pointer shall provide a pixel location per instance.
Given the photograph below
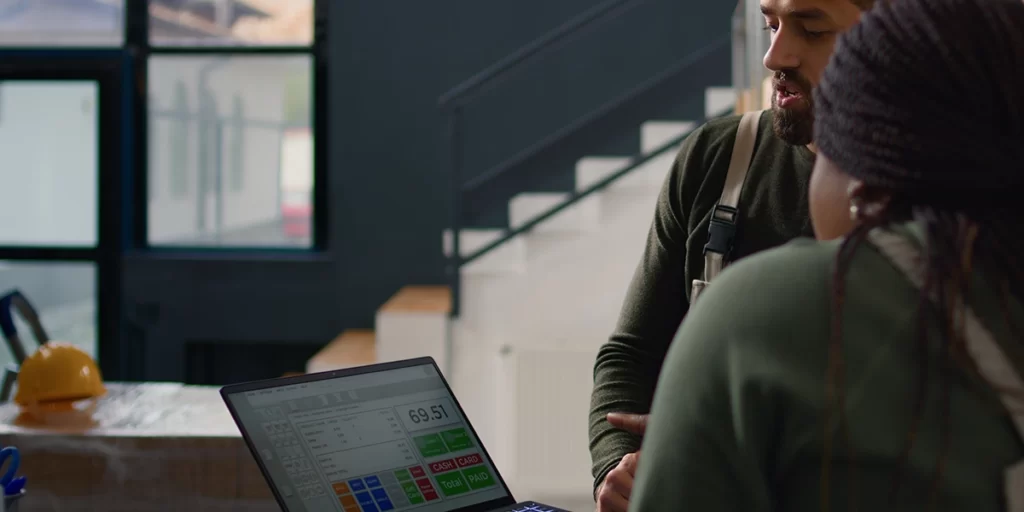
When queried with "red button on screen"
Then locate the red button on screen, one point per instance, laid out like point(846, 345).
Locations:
point(417, 471)
point(425, 485)
point(469, 460)
point(443, 466)
point(430, 495)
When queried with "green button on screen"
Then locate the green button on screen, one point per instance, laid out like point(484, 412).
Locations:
point(452, 483)
point(478, 477)
point(457, 439)
point(430, 445)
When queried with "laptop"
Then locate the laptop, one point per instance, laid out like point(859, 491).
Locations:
point(378, 438)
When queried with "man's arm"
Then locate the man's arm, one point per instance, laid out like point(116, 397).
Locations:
point(627, 367)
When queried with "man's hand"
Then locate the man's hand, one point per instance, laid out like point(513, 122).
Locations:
point(632, 423)
point(613, 496)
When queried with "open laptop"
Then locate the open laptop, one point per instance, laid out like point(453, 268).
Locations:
point(384, 437)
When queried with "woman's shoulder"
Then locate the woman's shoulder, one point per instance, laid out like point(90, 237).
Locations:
point(789, 290)
point(776, 279)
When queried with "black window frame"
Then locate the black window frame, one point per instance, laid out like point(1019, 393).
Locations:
point(106, 68)
point(137, 43)
point(123, 172)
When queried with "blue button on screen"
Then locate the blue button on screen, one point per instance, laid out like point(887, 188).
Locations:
point(364, 498)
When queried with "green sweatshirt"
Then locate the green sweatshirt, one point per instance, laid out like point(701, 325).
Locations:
point(773, 210)
point(737, 422)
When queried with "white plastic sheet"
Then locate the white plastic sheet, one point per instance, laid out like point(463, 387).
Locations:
point(147, 447)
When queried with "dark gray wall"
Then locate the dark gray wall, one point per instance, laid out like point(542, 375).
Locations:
point(392, 61)
point(388, 191)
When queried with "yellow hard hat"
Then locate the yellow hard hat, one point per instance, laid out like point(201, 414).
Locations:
point(58, 372)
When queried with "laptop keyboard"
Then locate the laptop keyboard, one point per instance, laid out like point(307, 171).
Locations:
point(530, 506)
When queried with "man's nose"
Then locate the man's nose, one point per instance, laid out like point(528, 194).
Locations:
point(782, 54)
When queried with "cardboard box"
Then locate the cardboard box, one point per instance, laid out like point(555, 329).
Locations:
point(149, 447)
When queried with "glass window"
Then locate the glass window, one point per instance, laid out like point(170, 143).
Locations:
point(231, 22)
point(61, 22)
point(180, 128)
point(237, 157)
point(240, 162)
point(64, 295)
point(49, 143)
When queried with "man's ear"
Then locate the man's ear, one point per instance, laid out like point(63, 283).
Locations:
point(867, 204)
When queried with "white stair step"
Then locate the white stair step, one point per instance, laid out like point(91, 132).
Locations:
point(650, 175)
point(718, 100)
point(507, 258)
point(655, 134)
point(584, 215)
point(592, 169)
point(573, 287)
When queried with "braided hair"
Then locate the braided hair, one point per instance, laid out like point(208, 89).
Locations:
point(925, 99)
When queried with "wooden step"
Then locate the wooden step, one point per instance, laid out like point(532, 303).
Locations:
point(413, 323)
point(354, 347)
point(419, 299)
point(357, 347)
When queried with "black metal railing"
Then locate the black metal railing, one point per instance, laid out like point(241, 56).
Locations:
point(453, 102)
point(575, 27)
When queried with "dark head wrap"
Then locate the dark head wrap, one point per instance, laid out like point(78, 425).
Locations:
point(926, 97)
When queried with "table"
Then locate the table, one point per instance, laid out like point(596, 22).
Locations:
point(151, 447)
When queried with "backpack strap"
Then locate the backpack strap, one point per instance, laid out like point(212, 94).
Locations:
point(986, 353)
point(722, 230)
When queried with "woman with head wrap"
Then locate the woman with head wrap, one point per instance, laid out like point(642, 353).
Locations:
point(880, 367)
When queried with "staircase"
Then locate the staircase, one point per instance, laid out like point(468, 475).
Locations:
point(535, 310)
point(534, 302)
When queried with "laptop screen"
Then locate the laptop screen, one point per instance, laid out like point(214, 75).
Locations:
point(388, 440)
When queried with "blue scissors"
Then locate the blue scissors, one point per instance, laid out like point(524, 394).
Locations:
point(15, 457)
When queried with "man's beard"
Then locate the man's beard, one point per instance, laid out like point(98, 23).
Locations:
point(793, 125)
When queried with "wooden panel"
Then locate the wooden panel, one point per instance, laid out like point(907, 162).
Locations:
point(355, 347)
point(419, 299)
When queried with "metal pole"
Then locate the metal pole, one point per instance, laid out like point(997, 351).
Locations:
point(455, 260)
point(224, 13)
point(218, 185)
point(455, 156)
point(740, 76)
point(757, 46)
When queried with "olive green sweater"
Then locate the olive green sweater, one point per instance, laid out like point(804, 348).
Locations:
point(738, 417)
point(773, 210)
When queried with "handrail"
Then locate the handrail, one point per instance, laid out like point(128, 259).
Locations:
point(571, 28)
point(556, 138)
point(452, 103)
point(634, 162)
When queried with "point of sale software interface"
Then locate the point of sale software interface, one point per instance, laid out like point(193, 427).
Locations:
point(392, 440)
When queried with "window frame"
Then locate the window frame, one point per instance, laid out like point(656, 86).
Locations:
point(137, 43)
point(128, 348)
point(105, 67)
